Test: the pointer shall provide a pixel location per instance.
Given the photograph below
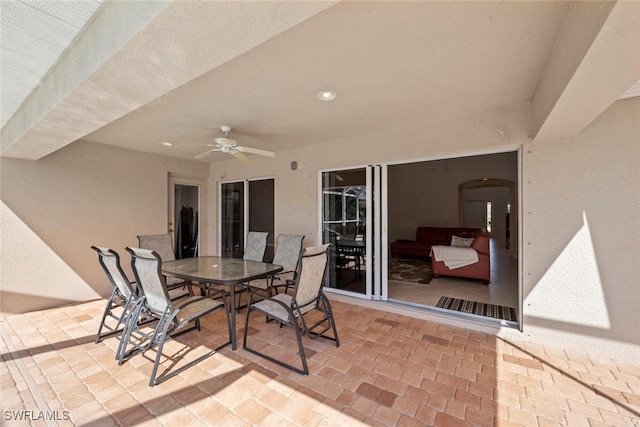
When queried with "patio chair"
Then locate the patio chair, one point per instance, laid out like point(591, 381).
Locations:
point(256, 246)
point(290, 310)
point(163, 246)
point(287, 255)
point(123, 295)
point(172, 317)
point(254, 251)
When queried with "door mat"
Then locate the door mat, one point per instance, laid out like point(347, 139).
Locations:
point(479, 308)
point(410, 270)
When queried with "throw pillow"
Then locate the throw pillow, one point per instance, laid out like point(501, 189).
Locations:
point(461, 242)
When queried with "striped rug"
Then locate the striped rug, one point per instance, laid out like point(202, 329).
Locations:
point(479, 308)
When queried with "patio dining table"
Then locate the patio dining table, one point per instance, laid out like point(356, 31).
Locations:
point(229, 272)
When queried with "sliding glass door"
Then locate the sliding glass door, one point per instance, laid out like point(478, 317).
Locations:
point(351, 220)
point(245, 206)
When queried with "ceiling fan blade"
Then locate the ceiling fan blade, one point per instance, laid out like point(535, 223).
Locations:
point(203, 155)
point(238, 155)
point(256, 151)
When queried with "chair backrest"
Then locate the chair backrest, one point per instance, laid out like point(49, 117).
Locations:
point(288, 251)
point(313, 268)
point(256, 245)
point(147, 267)
point(159, 243)
point(110, 262)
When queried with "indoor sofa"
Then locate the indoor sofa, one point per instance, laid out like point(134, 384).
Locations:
point(480, 270)
point(426, 237)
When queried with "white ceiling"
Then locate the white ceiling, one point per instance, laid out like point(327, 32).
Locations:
point(33, 35)
point(391, 63)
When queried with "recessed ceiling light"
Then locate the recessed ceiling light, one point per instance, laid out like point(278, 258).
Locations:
point(326, 95)
point(168, 144)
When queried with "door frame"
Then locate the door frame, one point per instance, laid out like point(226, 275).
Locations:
point(201, 183)
point(382, 273)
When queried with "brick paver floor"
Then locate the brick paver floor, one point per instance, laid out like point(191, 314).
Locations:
point(389, 370)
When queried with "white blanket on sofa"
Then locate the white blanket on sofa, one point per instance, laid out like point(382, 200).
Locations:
point(454, 257)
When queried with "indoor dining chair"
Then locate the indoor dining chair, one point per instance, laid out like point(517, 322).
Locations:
point(291, 310)
point(173, 317)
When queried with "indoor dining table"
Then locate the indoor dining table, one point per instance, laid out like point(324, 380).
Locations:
point(220, 271)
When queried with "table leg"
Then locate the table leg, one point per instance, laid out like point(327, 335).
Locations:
point(232, 303)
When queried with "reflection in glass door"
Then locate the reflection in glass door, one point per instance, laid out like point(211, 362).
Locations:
point(344, 225)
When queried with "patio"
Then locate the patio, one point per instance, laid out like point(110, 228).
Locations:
point(389, 370)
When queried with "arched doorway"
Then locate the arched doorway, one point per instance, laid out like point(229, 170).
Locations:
point(498, 200)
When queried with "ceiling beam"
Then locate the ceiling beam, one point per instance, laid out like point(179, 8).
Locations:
point(133, 53)
point(596, 58)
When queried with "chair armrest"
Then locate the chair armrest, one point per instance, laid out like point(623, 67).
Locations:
point(481, 243)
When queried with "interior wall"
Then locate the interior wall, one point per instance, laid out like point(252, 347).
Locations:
point(56, 208)
point(430, 189)
point(499, 197)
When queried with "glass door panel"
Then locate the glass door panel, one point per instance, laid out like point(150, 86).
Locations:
point(261, 211)
point(344, 220)
point(232, 219)
point(246, 206)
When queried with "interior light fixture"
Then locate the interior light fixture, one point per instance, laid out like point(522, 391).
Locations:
point(168, 144)
point(327, 95)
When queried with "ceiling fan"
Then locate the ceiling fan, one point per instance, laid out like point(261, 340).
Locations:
point(230, 146)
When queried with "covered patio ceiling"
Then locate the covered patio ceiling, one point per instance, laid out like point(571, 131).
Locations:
point(144, 73)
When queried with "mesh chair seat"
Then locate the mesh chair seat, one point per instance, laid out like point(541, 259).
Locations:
point(276, 307)
point(195, 307)
point(291, 309)
point(162, 244)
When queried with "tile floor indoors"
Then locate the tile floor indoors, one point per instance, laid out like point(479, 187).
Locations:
point(502, 290)
point(390, 370)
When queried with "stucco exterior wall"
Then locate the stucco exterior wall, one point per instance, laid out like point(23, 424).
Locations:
point(54, 209)
point(580, 199)
point(580, 212)
point(581, 235)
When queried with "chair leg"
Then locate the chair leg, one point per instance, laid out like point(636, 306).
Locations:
point(107, 311)
point(129, 326)
point(293, 322)
point(325, 307)
point(160, 341)
point(132, 326)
